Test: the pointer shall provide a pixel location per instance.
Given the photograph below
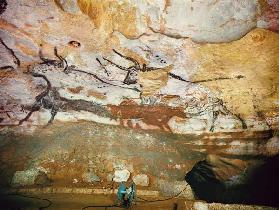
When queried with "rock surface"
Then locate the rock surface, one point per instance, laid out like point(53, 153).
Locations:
point(272, 146)
point(29, 178)
point(174, 188)
point(121, 175)
point(70, 6)
point(90, 177)
point(200, 77)
point(198, 87)
point(210, 21)
point(141, 180)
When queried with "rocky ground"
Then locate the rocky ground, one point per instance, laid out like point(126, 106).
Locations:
point(96, 156)
point(77, 201)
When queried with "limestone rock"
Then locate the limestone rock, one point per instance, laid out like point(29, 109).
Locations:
point(200, 205)
point(70, 6)
point(272, 146)
point(230, 18)
point(30, 177)
point(270, 16)
point(227, 123)
point(90, 177)
point(121, 175)
point(220, 21)
point(110, 177)
point(153, 33)
point(169, 188)
point(179, 125)
point(141, 180)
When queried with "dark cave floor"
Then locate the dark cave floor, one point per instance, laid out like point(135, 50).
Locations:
point(79, 201)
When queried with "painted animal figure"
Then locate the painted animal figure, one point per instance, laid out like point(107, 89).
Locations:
point(214, 107)
point(132, 71)
point(47, 99)
point(145, 116)
point(50, 98)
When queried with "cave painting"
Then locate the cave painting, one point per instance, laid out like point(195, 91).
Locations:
point(130, 114)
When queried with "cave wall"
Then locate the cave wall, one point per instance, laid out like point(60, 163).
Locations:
point(229, 64)
point(213, 72)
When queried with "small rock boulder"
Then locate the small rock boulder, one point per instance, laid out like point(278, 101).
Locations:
point(109, 177)
point(172, 188)
point(70, 6)
point(272, 146)
point(90, 177)
point(121, 175)
point(30, 177)
point(141, 180)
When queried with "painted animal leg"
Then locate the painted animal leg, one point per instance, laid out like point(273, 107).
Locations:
point(103, 66)
point(225, 111)
point(243, 123)
point(35, 107)
point(38, 103)
point(53, 112)
point(129, 79)
point(45, 92)
point(215, 116)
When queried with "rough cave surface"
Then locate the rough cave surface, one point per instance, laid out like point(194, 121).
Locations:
point(97, 91)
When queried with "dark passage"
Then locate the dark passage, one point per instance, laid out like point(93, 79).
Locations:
point(218, 179)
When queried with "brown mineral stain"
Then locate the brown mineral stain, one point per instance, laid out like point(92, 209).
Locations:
point(262, 6)
point(75, 90)
point(26, 50)
point(147, 20)
point(95, 94)
point(132, 54)
point(258, 37)
point(7, 74)
point(167, 4)
point(224, 168)
point(12, 28)
point(111, 15)
point(58, 4)
point(255, 56)
point(70, 170)
point(162, 24)
point(269, 14)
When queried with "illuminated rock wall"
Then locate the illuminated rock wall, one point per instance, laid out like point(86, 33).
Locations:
point(186, 78)
point(190, 85)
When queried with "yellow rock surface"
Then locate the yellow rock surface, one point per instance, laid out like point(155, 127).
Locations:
point(255, 56)
point(111, 15)
point(152, 81)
